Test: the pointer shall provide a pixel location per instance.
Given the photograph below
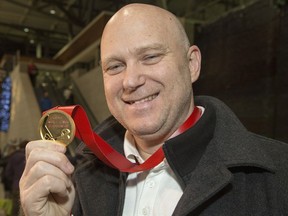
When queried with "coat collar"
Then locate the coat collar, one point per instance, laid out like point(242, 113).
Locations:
point(219, 129)
point(217, 143)
point(235, 145)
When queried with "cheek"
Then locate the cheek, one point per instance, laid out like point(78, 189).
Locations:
point(108, 89)
point(180, 84)
point(185, 75)
point(112, 88)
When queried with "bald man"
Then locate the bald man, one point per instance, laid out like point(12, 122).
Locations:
point(211, 164)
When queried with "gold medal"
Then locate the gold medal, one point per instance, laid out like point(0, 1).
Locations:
point(58, 126)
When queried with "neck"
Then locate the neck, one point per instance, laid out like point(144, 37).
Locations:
point(146, 153)
point(147, 147)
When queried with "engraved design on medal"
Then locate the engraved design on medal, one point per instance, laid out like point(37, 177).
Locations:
point(58, 126)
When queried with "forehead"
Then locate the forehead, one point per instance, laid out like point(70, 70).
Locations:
point(130, 26)
point(129, 33)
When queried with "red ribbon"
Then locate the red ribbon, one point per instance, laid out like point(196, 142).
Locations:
point(105, 152)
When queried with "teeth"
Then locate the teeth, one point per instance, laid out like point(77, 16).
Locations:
point(144, 99)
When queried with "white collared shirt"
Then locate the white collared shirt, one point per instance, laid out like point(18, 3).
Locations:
point(155, 192)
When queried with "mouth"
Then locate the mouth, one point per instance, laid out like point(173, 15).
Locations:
point(142, 100)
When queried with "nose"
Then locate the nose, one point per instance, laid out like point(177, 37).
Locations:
point(133, 77)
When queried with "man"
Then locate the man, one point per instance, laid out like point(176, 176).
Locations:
point(215, 167)
point(13, 171)
point(45, 102)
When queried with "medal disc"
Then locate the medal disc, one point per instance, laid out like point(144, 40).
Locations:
point(58, 126)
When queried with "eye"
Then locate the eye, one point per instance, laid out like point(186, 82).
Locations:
point(152, 58)
point(114, 68)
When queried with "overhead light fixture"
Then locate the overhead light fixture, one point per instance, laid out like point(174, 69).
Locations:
point(32, 41)
point(52, 11)
point(26, 30)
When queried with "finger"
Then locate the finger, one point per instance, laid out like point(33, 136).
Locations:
point(36, 196)
point(44, 186)
point(55, 158)
point(46, 144)
point(39, 170)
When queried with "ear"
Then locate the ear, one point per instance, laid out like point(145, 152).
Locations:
point(194, 57)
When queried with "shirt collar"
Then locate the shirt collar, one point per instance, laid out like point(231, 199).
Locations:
point(131, 152)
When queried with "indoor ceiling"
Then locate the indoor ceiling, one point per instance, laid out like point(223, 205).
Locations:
point(48, 25)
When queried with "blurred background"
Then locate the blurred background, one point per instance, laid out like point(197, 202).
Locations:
point(49, 55)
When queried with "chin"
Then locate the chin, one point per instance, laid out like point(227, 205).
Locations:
point(142, 126)
point(145, 131)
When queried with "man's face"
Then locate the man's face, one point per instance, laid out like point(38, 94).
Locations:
point(147, 79)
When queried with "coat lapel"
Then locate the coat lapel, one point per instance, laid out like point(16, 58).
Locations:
point(202, 186)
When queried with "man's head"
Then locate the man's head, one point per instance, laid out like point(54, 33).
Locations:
point(148, 69)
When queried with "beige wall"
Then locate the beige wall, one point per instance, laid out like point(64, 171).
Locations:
point(3, 140)
point(91, 87)
point(25, 112)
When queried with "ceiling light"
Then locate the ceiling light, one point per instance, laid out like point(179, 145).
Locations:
point(26, 29)
point(52, 11)
point(32, 41)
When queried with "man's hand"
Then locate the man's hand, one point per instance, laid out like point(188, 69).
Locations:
point(45, 187)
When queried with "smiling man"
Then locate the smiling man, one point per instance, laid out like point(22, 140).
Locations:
point(148, 77)
point(209, 163)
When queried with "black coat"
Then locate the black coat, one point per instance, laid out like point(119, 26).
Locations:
point(224, 170)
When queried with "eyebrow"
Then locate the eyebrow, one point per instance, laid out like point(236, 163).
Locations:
point(138, 50)
point(155, 46)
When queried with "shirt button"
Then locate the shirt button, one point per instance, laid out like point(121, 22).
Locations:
point(151, 184)
point(146, 211)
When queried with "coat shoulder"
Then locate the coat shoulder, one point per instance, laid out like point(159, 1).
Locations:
point(277, 150)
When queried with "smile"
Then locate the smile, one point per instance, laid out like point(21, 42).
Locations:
point(149, 98)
